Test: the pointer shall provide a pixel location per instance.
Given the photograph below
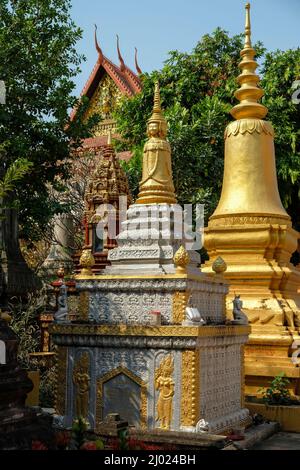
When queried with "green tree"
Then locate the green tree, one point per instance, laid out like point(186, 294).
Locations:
point(197, 93)
point(280, 70)
point(38, 62)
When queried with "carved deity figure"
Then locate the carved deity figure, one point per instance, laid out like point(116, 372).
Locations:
point(239, 316)
point(61, 316)
point(81, 379)
point(165, 384)
point(157, 182)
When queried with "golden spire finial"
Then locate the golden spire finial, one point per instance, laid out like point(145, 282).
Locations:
point(157, 114)
point(157, 106)
point(248, 27)
point(249, 93)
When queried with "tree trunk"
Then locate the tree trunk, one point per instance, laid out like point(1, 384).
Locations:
point(15, 276)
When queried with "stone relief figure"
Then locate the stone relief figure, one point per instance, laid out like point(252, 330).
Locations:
point(81, 379)
point(165, 384)
point(240, 318)
point(61, 316)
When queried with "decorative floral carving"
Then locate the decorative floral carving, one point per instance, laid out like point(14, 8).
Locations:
point(103, 102)
point(190, 388)
point(181, 260)
point(180, 302)
point(219, 266)
point(87, 261)
point(250, 126)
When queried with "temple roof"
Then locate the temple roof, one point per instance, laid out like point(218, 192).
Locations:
point(125, 79)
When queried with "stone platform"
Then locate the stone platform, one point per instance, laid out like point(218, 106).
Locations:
point(121, 364)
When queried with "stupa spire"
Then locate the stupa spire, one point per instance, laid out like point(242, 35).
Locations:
point(249, 92)
point(157, 181)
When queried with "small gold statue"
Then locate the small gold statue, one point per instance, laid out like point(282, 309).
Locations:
point(157, 181)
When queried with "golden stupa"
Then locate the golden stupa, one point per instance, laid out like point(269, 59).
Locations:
point(252, 232)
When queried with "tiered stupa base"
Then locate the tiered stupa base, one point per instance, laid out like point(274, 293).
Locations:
point(257, 256)
point(136, 349)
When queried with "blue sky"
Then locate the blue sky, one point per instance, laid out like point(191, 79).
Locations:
point(158, 26)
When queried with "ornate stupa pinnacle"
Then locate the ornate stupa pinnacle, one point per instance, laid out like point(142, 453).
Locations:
point(250, 180)
point(181, 260)
point(249, 92)
point(157, 181)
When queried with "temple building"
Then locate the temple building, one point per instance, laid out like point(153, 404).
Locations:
point(252, 232)
point(150, 340)
point(107, 84)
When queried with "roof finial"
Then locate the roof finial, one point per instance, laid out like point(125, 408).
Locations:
point(136, 63)
point(122, 63)
point(98, 48)
point(248, 27)
point(249, 92)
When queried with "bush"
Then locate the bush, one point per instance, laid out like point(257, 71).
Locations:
point(278, 393)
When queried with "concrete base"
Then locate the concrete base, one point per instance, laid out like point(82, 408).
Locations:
point(287, 416)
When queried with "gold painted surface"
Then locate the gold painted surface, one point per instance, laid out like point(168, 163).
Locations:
point(61, 377)
point(86, 262)
point(165, 384)
point(81, 380)
point(200, 278)
point(249, 93)
point(157, 185)
point(250, 229)
point(103, 102)
point(84, 305)
point(180, 302)
point(113, 373)
point(181, 260)
point(154, 331)
point(190, 392)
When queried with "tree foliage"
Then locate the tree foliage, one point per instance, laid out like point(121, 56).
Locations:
point(38, 62)
point(197, 92)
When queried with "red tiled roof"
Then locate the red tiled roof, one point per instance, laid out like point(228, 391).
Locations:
point(127, 81)
point(96, 143)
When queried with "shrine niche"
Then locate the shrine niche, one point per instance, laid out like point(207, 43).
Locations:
point(123, 383)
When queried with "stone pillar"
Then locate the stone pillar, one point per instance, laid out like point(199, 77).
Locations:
point(59, 254)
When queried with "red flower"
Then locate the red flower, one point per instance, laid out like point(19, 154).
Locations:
point(89, 445)
point(38, 445)
point(62, 439)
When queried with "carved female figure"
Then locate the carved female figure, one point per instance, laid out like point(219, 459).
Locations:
point(165, 384)
point(81, 379)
